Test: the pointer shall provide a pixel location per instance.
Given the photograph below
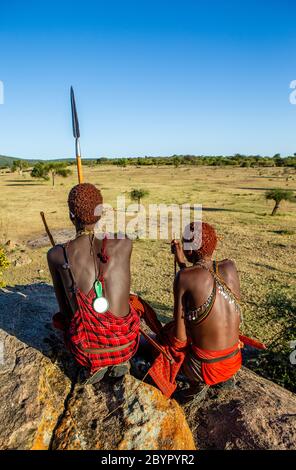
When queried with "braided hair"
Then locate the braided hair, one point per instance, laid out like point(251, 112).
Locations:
point(203, 238)
point(82, 201)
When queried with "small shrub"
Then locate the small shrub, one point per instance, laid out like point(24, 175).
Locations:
point(4, 263)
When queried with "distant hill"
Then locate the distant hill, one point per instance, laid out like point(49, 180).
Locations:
point(7, 161)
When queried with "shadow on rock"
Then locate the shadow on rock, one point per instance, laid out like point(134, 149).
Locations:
point(26, 313)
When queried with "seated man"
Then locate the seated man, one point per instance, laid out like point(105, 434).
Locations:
point(91, 278)
point(204, 337)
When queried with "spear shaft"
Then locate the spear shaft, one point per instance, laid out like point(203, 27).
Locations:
point(78, 161)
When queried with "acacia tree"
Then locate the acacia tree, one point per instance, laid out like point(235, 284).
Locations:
point(121, 162)
point(58, 168)
point(176, 161)
point(40, 170)
point(19, 165)
point(138, 194)
point(43, 170)
point(278, 195)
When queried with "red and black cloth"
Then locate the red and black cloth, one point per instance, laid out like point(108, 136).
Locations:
point(117, 338)
point(98, 339)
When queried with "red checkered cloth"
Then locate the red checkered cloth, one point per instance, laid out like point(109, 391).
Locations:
point(162, 371)
point(91, 330)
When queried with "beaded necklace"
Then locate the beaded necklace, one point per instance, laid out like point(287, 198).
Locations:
point(223, 288)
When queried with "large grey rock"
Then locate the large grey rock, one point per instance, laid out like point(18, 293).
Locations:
point(256, 414)
point(122, 414)
point(59, 236)
point(35, 371)
point(44, 405)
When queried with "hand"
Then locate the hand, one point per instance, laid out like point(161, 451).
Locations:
point(177, 250)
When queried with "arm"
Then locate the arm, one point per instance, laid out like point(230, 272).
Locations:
point(58, 283)
point(177, 250)
point(179, 291)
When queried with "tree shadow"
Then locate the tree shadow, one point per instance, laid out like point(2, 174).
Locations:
point(270, 268)
point(260, 189)
point(24, 180)
point(26, 313)
point(218, 209)
point(24, 184)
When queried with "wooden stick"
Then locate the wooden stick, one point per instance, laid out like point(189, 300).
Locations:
point(157, 346)
point(175, 262)
point(47, 229)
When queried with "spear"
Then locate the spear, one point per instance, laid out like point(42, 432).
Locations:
point(76, 134)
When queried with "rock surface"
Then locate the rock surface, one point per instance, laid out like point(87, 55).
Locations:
point(256, 414)
point(59, 236)
point(45, 407)
point(144, 420)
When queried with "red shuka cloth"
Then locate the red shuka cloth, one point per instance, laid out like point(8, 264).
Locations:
point(89, 329)
point(219, 371)
point(164, 373)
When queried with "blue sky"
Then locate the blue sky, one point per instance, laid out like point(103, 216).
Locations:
point(150, 77)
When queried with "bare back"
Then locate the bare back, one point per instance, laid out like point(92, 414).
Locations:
point(85, 265)
point(193, 287)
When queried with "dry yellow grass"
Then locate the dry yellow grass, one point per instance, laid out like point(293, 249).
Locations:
point(233, 200)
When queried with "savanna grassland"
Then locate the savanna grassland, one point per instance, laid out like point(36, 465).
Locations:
point(233, 200)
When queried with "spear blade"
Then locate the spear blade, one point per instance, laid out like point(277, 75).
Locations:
point(76, 134)
point(75, 122)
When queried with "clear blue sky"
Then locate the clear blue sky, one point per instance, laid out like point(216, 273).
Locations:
point(150, 77)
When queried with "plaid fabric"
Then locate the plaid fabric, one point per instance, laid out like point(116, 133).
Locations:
point(91, 330)
point(162, 371)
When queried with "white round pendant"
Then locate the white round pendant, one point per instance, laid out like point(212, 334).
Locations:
point(101, 305)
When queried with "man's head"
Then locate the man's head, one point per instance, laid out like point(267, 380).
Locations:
point(83, 200)
point(199, 241)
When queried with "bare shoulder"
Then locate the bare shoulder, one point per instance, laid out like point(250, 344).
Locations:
point(227, 265)
point(230, 263)
point(55, 255)
point(184, 275)
point(197, 271)
point(123, 245)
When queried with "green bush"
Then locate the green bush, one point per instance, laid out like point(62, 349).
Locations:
point(138, 194)
point(4, 263)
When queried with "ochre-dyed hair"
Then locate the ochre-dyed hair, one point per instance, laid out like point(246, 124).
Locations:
point(204, 238)
point(82, 201)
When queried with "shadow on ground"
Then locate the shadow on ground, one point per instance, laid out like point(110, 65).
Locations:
point(24, 184)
